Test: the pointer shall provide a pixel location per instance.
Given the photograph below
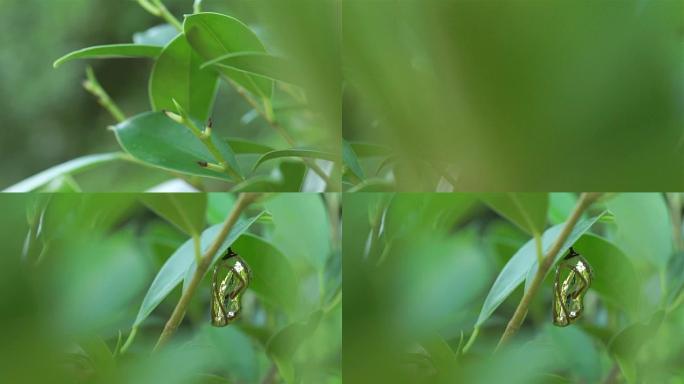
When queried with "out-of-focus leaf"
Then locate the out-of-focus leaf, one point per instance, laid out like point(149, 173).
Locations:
point(155, 139)
point(185, 211)
point(229, 350)
point(561, 205)
point(576, 351)
point(273, 278)
point(61, 184)
point(524, 265)
point(219, 206)
point(373, 185)
point(241, 146)
point(363, 150)
point(213, 35)
point(443, 357)
point(177, 76)
point(257, 63)
point(351, 161)
point(98, 352)
point(625, 345)
point(675, 277)
point(615, 279)
point(295, 152)
point(70, 167)
point(182, 260)
point(111, 51)
point(284, 343)
point(159, 35)
point(526, 210)
point(302, 229)
point(644, 230)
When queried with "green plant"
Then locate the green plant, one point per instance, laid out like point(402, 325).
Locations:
point(191, 58)
point(122, 293)
point(459, 287)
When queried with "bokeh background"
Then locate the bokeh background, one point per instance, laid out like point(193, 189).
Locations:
point(48, 118)
point(418, 268)
point(518, 95)
point(76, 267)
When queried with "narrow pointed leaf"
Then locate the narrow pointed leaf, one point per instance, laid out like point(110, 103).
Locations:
point(184, 210)
point(295, 152)
point(111, 51)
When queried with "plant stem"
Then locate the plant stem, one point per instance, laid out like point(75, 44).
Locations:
point(93, 86)
point(174, 321)
point(675, 201)
point(282, 132)
point(157, 8)
point(197, 6)
point(586, 199)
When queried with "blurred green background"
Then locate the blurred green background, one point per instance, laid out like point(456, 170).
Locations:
point(77, 266)
point(48, 118)
point(518, 95)
point(418, 268)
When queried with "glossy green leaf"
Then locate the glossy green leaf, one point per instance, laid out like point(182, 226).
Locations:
point(184, 210)
point(273, 277)
point(295, 152)
point(526, 210)
point(70, 167)
point(523, 265)
point(284, 343)
point(238, 230)
point(256, 63)
point(302, 228)
point(351, 161)
point(111, 51)
point(155, 139)
point(213, 35)
point(615, 278)
point(176, 267)
point(644, 229)
point(177, 76)
point(159, 35)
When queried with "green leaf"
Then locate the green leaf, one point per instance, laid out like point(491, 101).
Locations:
point(256, 63)
point(177, 76)
point(302, 229)
point(100, 354)
point(627, 343)
point(274, 280)
point(213, 35)
point(295, 152)
point(363, 150)
point(675, 277)
point(615, 279)
point(526, 210)
point(159, 36)
point(238, 229)
point(184, 210)
point(241, 146)
point(644, 230)
point(351, 161)
point(443, 357)
point(284, 343)
point(176, 266)
point(155, 139)
point(524, 264)
point(561, 205)
point(576, 352)
point(111, 51)
point(70, 167)
point(219, 205)
point(373, 185)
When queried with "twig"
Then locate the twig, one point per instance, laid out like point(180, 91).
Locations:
point(157, 8)
point(174, 321)
point(521, 311)
point(93, 86)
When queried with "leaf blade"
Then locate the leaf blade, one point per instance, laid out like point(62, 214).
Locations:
point(111, 51)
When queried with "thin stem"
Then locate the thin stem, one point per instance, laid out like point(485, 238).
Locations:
point(196, 241)
point(197, 6)
point(268, 116)
point(174, 321)
point(205, 138)
point(93, 86)
point(586, 199)
point(271, 375)
point(157, 8)
point(129, 340)
point(675, 201)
